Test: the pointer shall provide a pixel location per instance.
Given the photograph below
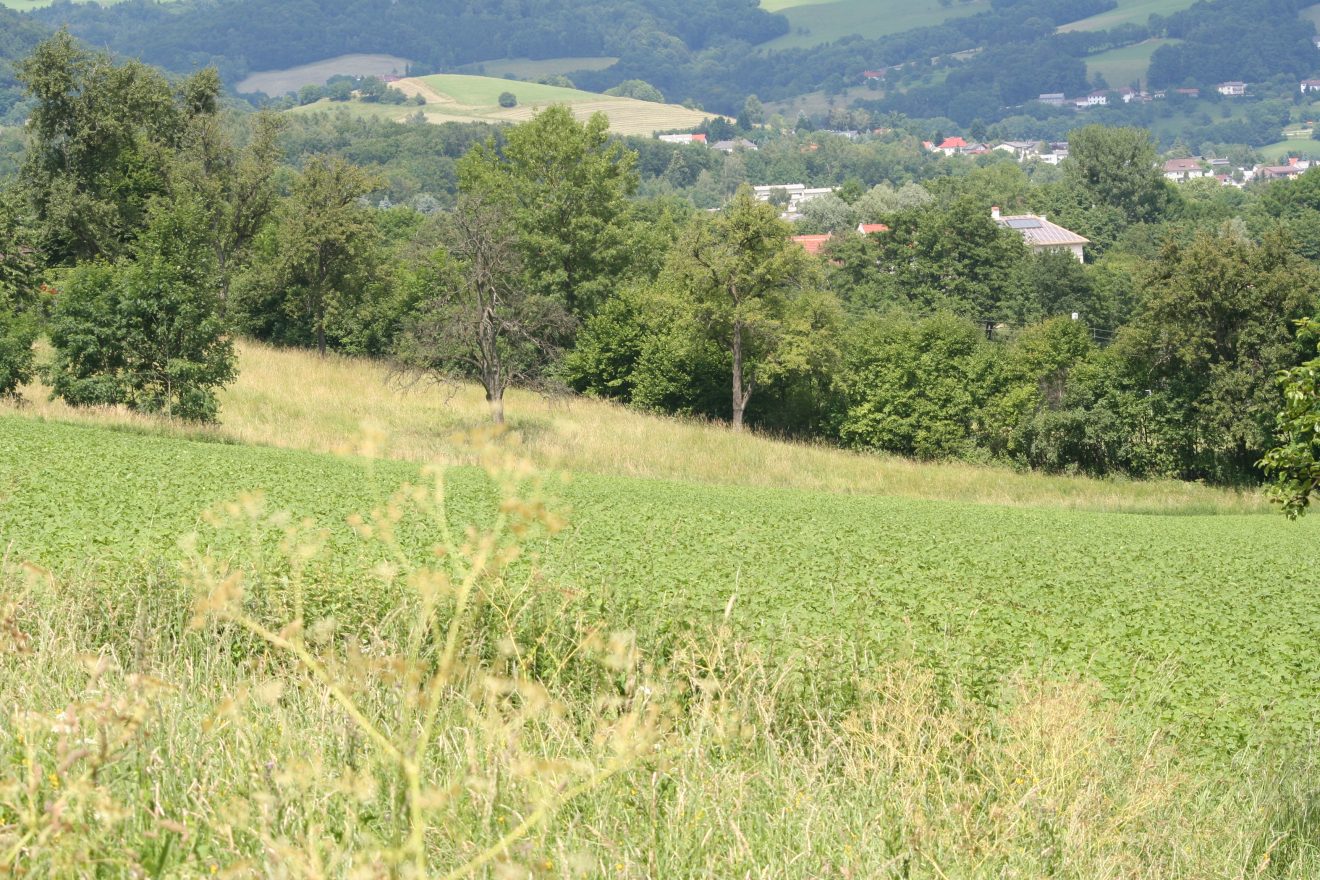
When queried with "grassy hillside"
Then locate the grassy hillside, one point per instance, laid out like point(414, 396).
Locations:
point(290, 399)
point(702, 675)
point(812, 22)
point(1306, 147)
point(280, 82)
point(463, 98)
point(1126, 65)
point(533, 69)
point(1128, 11)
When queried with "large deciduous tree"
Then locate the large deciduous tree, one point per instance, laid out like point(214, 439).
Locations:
point(101, 139)
point(19, 297)
point(565, 186)
point(144, 331)
point(484, 322)
point(1118, 168)
point(325, 245)
point(1294, 465)
point(746, 278)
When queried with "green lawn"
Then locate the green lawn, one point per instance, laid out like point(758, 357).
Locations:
point(485, 91)
point(1126, 65)
point(812, 22)
point(1128, 12)
point(1305, 146)
point(1206, 624)
point(527, 68)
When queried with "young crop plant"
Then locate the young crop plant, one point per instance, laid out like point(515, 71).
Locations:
point(459, 698)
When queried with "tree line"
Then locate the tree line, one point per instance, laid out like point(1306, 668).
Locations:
point(147, 229)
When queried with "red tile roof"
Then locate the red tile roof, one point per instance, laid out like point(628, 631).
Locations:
point(812, 244)
point(870, 228)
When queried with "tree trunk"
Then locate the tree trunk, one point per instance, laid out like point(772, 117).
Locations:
point(320, 328)
point(496, 401)
point(739, 398)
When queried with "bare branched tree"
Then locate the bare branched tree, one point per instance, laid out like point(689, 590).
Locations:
point(483, 323)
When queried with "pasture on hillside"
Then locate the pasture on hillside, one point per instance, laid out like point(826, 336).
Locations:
point(812, 22)
point(279, 82)
point(534, 69)
point(1125, 65)
point(1203, 624)
point(1128, 12)
point(1307, 148)
point(464, 98)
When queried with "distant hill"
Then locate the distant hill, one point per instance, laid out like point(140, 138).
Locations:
point(458, 98)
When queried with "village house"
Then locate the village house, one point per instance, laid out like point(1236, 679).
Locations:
point(1232, 89)
point(949, 146)
point(1309, 85)
point(1021, 150)
point(1041, 235)
point(1294, 167)
point(812, 244)
point(1095, 99)
point(1183, 170)
point(798, 195)
point(1055, 154)
point(1188, 93)
point(871, 228)
point(733, 145)
point(683, 138)
point(873, 74)
point(1054, 99)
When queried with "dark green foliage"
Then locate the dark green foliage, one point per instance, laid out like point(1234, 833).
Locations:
point(913, 387)
point(19, 295)
point(101, 142)
point(508, 99)
point(144, 331)
point(639, 89)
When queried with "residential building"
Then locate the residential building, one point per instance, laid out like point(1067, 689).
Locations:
point(871, 228)
point(683, 138)
point(1232, 89)
point(733, 145)
point(812, 244)
point(798, 195)
point(949, 146)
point(1095, 99)
point(1188, 93)
point(1309, 85)
point(1021, 150)
point(1183, 170)
point(1041, 235)
point(1054, 99)
point(873, 74)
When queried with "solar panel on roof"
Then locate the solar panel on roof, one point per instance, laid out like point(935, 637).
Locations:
point(1025, 223)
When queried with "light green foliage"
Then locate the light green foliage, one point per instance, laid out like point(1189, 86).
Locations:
point(913, 387)
point(145, 332)
point(565, 185)
point(747, 283)
point(1117, 167)
point(1294, 465)
point(639, 89)
point(884, 199)
point(827, 214)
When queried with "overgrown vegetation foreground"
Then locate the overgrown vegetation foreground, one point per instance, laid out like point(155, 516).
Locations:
point(483, 673)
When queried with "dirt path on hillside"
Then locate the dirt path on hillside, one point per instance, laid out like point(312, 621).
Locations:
point(414, 86)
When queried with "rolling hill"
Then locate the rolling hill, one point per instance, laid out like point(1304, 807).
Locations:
point(812, 22)
point(463, 98)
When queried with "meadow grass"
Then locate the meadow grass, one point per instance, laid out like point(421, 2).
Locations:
point(209, 719)
point(812, 22)
point(1125, 65)
point(291, 398)
point(279, 82)
point(1127, 12)
point(1305, 147)
point(466, 98)
point(537, 68)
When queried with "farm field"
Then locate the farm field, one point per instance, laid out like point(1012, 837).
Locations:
point(534, 69)
point(866, 680)
point(813, 22)
point(1126, 65)
point(462, 98)
point(280, 82)
point(1128, 12)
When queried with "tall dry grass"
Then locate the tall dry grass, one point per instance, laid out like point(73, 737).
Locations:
point(292, 398)
point(215, 722)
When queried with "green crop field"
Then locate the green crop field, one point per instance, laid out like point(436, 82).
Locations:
point(1207, 623)
point(812, 22)
point(688, 653)
point(464, 98)
point(1128, 12)
point(1126, 65)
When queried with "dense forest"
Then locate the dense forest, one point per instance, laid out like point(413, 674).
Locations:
point(148, 225)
